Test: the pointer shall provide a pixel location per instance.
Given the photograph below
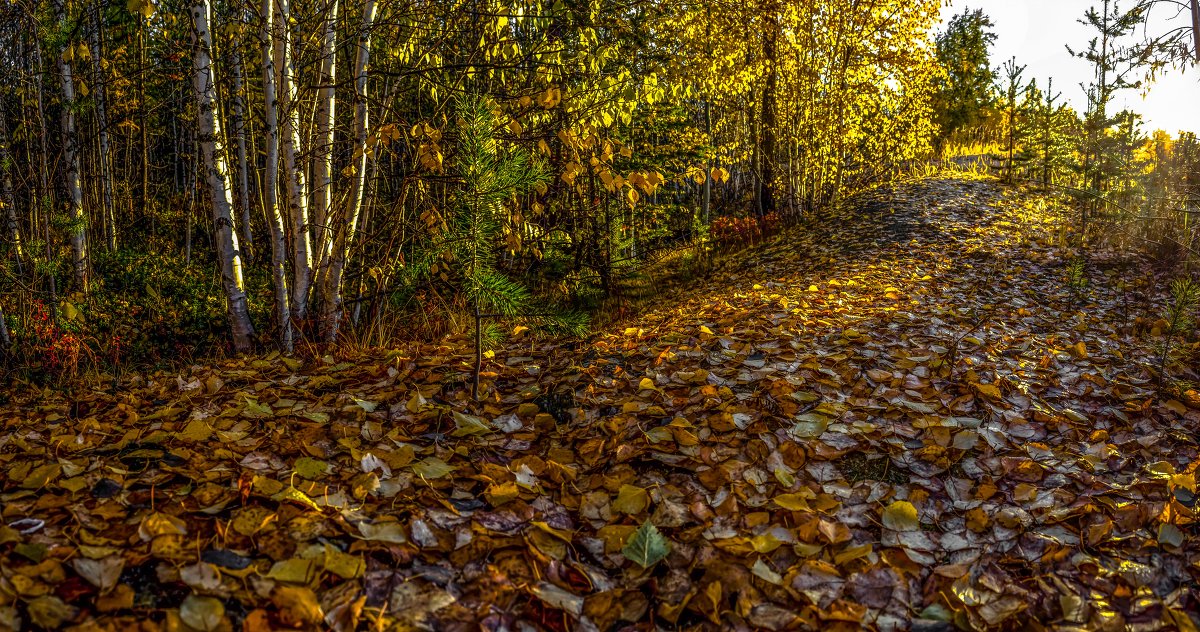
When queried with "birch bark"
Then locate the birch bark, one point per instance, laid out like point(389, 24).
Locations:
point(216, 175)
point(294, 180)
point(332, 292)
point(270, 189)
point(77, 233)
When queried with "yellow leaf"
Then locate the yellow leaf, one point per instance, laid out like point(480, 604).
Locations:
point(901, 515)
point(343, 565)
point(989, 391)
point(296, 496)
point(1079, 350)
point(977, 520)
point(156, 524)
point(852, 553)
point(647, 384)
point(631, 500)
point(298, 606)
point(765, 543)
point(792, 502)
point(499, 493)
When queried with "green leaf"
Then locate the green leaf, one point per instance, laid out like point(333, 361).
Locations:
point(647, 547)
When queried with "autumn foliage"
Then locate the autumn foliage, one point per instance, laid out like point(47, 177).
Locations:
point(820, 440)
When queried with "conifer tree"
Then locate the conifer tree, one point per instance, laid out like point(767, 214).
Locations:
point(489, 176)
point(1112, 67)
point(965, 92)
point(1049, 142)
point(1014, 107)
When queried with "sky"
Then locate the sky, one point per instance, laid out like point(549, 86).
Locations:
point(1036, 32)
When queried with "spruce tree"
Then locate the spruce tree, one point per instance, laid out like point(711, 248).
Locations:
point(1112, 66)
point(964, 93)
point(1050, 141)
point(1014, 107)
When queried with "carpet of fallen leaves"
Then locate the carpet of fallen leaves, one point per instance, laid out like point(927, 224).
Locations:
point(903, 417)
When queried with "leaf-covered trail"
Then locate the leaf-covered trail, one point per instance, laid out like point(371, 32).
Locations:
point(904, 418)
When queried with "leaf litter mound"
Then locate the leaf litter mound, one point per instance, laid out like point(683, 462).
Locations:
point(898, 417)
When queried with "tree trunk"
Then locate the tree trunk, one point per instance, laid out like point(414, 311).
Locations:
point(46, 194)
point(100, 83)
point(270, 188)
point(12, 228)
point(237, 110)
point(322, 166)
point(706, 195)
point(78, 222)
point(1196, 29)
point(213, 156)
point(767, 187)
point(142, 112)
point(332, 292)
point(294, 180)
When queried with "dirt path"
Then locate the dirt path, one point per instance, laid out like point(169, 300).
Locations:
point(901, 418)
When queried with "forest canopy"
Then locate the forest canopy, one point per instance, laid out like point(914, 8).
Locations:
point(223, 176)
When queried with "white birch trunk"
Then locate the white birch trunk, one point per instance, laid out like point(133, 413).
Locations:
point(78, 231)
point(270, 192)
point(322, 164)
point(294, 180)
point(216, 174)
point(332, 292)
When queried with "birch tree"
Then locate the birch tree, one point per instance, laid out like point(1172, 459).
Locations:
point(77, 231)
point(322, 166)
point(237, 111)
point(212, 154)
point(270, 189)
point(294, 180)
point(345, 229)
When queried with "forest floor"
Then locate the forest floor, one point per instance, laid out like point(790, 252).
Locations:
point(906, 416)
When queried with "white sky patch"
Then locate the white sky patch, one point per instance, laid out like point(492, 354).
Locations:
point(1037, 32)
